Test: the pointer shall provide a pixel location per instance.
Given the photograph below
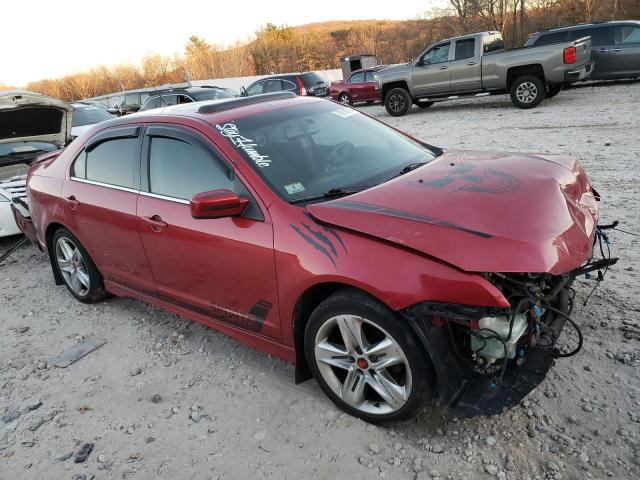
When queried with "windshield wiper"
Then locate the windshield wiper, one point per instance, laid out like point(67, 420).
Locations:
point(332, 193)
point(408, 168)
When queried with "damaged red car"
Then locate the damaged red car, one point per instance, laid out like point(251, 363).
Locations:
point(393, 272)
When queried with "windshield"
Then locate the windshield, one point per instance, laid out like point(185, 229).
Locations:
point(89, 116)
point(211, 94)
point(310, 149)
point(26, 148)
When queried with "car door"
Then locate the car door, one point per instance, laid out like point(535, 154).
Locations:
point(602, 44)
point(431, 71)
point(369, 89)
point(626, 52)
point(465, 68)
point(355, 86)
point(222, 268)
point(100, 197)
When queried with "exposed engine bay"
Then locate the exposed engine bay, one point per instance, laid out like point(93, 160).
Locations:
point(506, 352)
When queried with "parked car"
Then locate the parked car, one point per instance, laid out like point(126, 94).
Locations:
point(13, 189)
point(358, 87)
point(309, 83)
point(126, 103)
point(477, 65)
point(615, 46)
point(174, 96)
point(317, 234)
point(85, 115)
point(30, 124)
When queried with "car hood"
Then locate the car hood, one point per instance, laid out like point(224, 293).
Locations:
point(481, 212)
point(28, 116)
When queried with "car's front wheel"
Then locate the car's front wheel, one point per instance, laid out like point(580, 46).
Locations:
point(527, 92)
point(80, 275)
point(366, 360)
point(397, 102)
point(345, 99)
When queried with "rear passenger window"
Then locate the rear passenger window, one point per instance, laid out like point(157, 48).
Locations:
point(271, 86)
point(290, 86)
point(628, 34)
point(180, 170)
point(112, 162)
point(368, 77)
point(465, 48)
point(555, 37)
point(599, 36)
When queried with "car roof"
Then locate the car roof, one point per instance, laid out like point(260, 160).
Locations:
point(194, 88)
point(589, 24)
point(217, 111)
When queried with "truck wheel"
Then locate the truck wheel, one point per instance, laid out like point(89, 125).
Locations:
point(345, 99)
point(527, 92)
point(423, 104)
point(397, 102)
point(553, 90)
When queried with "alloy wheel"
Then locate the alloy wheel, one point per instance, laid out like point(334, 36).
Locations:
point(72, 266)
point(344, 99)
point(363, 364)
point(526, 92)
point(396, 102)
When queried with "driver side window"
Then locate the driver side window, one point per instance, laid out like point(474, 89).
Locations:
point(437, 54)
point(255, 89)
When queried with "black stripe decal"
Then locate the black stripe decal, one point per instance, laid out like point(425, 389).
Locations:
point(314, 244)
point(390, 212)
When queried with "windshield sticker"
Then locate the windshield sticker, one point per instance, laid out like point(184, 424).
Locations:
point(294, 188)
point(345, 112)
point(230, 130)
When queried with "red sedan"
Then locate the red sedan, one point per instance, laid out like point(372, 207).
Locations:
point(388, 269)
point(359, 87)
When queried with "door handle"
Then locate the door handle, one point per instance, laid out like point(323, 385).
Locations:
point(443, 67)
point(616, 49)
point(71, 202)
point(155, 222)
point(471, 63)
point(603, 50)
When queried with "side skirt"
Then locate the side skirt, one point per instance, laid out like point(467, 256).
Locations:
point(260, 343)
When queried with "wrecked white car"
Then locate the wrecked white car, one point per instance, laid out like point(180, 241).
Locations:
point(31, 124)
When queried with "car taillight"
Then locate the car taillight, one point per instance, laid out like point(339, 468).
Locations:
point(303, 91)
point(569, 55)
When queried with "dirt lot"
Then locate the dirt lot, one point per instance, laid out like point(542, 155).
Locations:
point(167, 398)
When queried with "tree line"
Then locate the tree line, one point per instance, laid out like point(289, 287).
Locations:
point(280, 49)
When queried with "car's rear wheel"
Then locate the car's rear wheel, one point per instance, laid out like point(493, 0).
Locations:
point(397, 102)
point(80, 275)
point(345, 99)
point(553, 90)
point(527, 92)
point(366, 360)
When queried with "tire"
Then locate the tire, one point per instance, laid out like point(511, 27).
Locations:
point(527, 92)
point(381, 394)
point(345, 99)
point(397, 102)
point(75, 267)
point(553, 90)
point(423, 104)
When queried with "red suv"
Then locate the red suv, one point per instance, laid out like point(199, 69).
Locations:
point(359, 87)
point(386, 268)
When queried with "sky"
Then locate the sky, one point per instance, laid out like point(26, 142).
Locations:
point(51, 38)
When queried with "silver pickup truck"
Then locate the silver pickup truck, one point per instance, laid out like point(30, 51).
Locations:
point(478, 65)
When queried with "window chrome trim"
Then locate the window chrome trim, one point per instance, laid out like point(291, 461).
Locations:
point(131, 190)
point(165, 197)
point(101, 184)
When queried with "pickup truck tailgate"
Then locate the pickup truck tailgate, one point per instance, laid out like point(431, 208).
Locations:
point(583, 51)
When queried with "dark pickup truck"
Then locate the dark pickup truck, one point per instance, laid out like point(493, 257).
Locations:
point(478, 65)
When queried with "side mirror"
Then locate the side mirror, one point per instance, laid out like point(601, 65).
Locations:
point(217, 204)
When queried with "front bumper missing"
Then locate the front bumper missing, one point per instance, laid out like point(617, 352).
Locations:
point(462, 392)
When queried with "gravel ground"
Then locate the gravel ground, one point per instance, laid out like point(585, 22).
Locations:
point(168, 398)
